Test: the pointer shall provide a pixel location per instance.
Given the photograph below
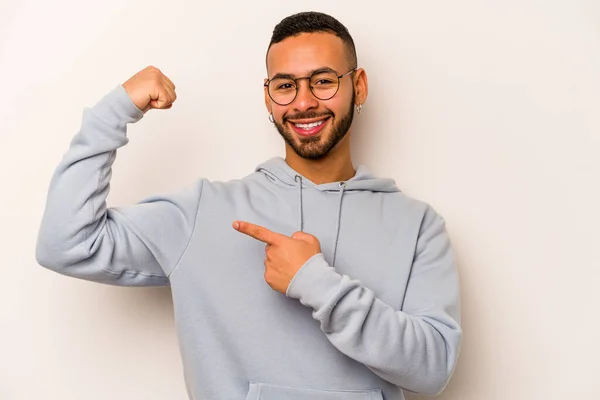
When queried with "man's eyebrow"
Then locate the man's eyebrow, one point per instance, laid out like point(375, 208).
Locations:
point(281, 75)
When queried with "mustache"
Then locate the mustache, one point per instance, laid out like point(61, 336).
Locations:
point(307, 115)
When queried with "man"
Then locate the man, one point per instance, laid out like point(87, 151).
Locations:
point(307, 279)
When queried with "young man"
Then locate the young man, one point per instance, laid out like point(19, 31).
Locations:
point(307, 279)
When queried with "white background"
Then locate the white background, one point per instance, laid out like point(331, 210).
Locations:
point(488, 110)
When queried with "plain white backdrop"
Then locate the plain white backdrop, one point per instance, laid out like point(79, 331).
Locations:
point(488, 110)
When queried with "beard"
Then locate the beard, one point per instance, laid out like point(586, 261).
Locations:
point(317, 147)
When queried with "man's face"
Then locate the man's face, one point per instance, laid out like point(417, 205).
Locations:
point(310, 126)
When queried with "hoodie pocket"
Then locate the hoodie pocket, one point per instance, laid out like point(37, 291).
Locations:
point(263, 391)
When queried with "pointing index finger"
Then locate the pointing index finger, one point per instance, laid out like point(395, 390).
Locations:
point(258, 232)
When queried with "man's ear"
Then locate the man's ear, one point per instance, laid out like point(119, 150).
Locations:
point(361, 86)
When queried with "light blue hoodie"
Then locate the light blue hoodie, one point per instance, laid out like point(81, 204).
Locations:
point(376, 313)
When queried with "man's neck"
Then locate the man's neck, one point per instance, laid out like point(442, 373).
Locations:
point(335, 167)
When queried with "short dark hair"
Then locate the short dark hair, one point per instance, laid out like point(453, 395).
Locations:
point(312, 21)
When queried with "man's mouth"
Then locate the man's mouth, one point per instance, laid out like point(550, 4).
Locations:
point(308, 127)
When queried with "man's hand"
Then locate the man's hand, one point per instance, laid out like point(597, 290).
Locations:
point(150, 88)
point(284, 256)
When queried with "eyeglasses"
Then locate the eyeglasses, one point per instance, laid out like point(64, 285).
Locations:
point(323, 84)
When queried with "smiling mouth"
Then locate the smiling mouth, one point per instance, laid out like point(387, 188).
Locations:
point(308, 128)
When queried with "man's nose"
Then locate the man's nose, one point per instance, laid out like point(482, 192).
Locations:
point(305, 99)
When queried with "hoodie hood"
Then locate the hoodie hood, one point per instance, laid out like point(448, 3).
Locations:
point(280, 173)
point(278, 170)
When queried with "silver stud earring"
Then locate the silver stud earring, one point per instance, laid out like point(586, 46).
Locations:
point(359, 108)
point(271, 118)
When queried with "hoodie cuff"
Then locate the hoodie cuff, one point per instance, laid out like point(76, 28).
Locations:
point(314, 283)
point(116, 108)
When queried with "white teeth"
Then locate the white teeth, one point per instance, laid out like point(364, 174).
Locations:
point(309, 126)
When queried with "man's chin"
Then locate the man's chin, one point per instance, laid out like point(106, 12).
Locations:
point(313, 147)
point(312, 154)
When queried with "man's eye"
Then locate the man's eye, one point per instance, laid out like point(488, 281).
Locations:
point(323, 82)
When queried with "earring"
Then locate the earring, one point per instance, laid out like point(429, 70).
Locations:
point(359, 108)
point(271, 118)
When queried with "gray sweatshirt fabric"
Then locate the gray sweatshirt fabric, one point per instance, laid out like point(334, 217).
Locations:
point(376, 313)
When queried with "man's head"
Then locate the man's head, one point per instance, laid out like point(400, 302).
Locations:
point(313, 115)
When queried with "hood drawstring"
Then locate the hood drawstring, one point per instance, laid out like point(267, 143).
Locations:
point(300, 223)
point(339, 217)
point(342, 184)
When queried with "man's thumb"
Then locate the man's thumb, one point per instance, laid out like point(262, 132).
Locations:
point(305, 237)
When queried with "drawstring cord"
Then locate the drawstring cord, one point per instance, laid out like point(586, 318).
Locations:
point(300, 222)
point(339, 217)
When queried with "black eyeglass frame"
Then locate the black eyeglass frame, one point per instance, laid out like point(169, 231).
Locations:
point(266, 84)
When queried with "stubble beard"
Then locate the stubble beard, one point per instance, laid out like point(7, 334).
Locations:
point(317, 147)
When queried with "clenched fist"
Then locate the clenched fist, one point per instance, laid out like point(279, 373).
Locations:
point(150, 88)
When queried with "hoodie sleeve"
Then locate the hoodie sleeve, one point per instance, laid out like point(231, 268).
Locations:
point(79, 236)
point(415, 348)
